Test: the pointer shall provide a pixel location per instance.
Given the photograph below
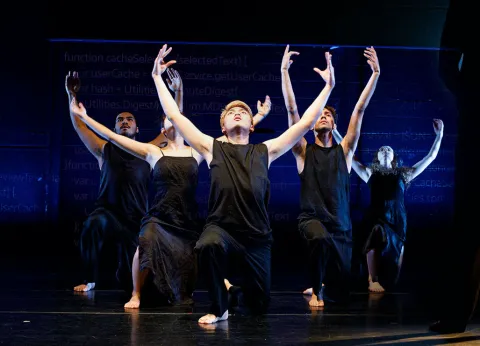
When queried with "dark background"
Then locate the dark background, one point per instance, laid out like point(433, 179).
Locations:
point(42, 202)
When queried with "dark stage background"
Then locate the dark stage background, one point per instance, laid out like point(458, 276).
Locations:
point(48, 180)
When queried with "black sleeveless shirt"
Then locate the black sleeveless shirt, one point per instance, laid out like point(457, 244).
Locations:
point(325, 188)
point(175, 181)
point(240, 190)
point(124, 181)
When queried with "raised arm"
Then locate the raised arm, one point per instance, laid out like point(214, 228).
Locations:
point(145, 151)
point(278, 146)
point(287, 89)
point(197, 140)
point(421, 165)
point(289, 98)
point(362, 171)
point(93, 143)
point(175, 84)
point(350, 141)
point(263, 109)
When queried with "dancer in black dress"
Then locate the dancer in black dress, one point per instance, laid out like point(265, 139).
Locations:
point(169, 229)
point(324, 171)
point(238, 222)
point(110, 232)
point(385, 224)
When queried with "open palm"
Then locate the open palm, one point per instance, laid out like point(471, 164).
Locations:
point(328, 74)
point(160, 65)
point(72, 82)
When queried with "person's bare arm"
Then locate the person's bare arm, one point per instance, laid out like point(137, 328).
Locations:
point(421, 165)
point(287, 140)
point(92, 142)
point(291, 104)
point(263, 109)
point(145, 151)
point(175, 84)
point(350, 141)
point(362, 171)
point(199, 141)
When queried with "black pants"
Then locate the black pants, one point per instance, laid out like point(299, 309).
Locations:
point(214, 248)
point(330, 255)
point(170, 258)
point(105, 239)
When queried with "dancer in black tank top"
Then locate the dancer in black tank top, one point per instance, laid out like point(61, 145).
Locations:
point(171, 228)
point(238, 222)
point(324, 170)
point(110, 231)
point(383, 233)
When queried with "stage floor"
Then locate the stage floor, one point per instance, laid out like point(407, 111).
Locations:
point(61, 317)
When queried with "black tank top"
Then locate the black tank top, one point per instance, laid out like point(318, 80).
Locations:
point(175, 181)
point(240, 190)
point(325, 188)
point(124, 181)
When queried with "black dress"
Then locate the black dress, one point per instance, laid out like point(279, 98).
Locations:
point(385, 222)
point(170, 228)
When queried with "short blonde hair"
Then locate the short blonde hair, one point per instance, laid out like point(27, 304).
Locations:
point(233, 104)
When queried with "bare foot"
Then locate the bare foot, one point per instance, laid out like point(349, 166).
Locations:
point(208, 319)
point(85, 288)
point(134, 302)
point(309, 291)
point(375, 287)
point(316, 301)
point(227, 284)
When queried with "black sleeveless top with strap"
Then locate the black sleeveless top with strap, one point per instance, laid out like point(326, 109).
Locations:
point(175, 181)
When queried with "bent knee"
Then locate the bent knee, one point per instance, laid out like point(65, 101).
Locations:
point(148, 233)
point(210, 241)
point(96, 219)
point(94, 224)
point(315, 231)
point(378, 230)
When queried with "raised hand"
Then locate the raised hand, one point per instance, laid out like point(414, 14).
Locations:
point(160, 65)
point(72, 83)
point(174, 81)
point(77, 108)
point(264, 108)
point(328, 74)
point(286, 61)
point(438, 126)
point(371, 55)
